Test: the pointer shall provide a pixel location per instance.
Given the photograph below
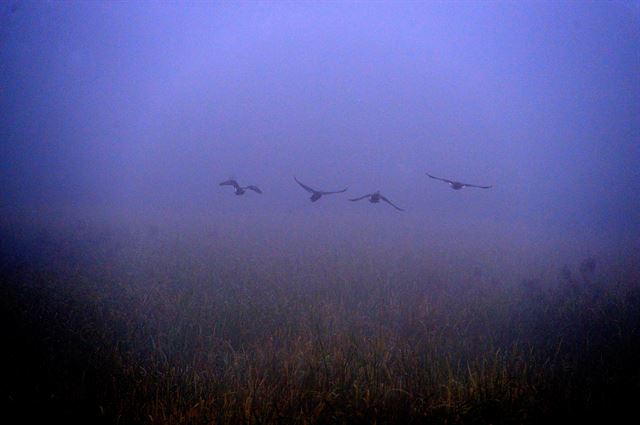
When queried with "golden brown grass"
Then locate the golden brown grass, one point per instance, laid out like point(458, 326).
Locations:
point(132, 329)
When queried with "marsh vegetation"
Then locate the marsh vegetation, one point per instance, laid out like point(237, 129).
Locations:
point(151, 325)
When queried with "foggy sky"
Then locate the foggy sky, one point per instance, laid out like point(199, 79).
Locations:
point(151, 105)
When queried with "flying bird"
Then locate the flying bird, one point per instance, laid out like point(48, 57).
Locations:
point(376, 197)
point(240, 190)
point(457, 185)
point(316, 194)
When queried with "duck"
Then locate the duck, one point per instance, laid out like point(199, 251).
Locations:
point(240, 190)
point(376, 197)
point(316, 194)
point(455, 185)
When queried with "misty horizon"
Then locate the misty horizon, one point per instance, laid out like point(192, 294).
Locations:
point(130, 107)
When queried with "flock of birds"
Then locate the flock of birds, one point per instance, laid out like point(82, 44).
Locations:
point(374, 197)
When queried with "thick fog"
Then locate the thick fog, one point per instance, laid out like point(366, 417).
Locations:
point(139, 109)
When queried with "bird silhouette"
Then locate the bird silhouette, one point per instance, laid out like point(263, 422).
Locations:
point(240, 190)
point(316, 194)
point(457, 185)
point(376, 197)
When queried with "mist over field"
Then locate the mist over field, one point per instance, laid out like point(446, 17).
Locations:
point(136, 289)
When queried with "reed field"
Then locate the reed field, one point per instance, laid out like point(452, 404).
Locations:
point(147, 325)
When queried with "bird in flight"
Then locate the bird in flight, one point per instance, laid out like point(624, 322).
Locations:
point(457, 185)
point(240, 190)
point(316, 194)
point(376, 197)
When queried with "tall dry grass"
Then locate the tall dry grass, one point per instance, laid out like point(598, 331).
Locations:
point(140, 327)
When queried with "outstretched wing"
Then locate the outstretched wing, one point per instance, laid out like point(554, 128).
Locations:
point(391, 203)
point(337, 191)
point(230, 182)
point(473, 185)
point(440, 178)
point(304, 186)
point(362, 197)
point(254, 188)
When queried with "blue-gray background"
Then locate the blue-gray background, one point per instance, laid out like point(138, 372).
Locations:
point(140, 109)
